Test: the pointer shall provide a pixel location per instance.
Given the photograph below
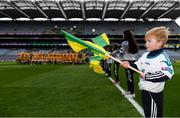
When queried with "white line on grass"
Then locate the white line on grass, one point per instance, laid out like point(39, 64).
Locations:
point(131, 100)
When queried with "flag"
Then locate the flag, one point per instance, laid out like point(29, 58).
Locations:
point(97, 48)
point(78, 44)
point(101, 40)
point(95, 64)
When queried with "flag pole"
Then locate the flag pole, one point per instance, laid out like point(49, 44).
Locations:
point(115, 59)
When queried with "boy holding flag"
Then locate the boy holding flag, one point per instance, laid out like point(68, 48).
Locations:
point(157, 68)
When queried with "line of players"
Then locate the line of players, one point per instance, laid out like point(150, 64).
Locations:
point(51, 58)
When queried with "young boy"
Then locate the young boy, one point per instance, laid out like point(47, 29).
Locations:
point(157, 68)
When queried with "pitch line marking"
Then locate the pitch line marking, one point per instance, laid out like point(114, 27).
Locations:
point(131, 100)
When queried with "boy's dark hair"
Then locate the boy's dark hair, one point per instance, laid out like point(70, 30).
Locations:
point(132, 44)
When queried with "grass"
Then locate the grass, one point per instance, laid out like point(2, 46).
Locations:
point(72, 91)
point(172, 94)
point(59, 91)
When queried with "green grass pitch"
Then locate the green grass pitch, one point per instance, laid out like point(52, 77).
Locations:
point(71, 90)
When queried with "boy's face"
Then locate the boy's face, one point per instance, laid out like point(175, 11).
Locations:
point(153, 44)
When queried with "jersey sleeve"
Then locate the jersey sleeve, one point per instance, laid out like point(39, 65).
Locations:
point(166, 67)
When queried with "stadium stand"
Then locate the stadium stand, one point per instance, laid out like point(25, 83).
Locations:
point(85, 28)
point(46, 37)
point(19, 35)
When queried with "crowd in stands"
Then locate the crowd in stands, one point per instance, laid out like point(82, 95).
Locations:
point(51, 58)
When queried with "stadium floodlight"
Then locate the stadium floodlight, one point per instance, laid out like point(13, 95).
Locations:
point(76, 19)
point(130, 19)
point(40, 19)
point(165, 0)
point(91, 0)
point(164, 19)
point(93, 19)
point(58, 19)
point(133, 0)
point(6, 19)
point(93, 30)
point(23, 19)
point(60, 0)
point(150, 19)
point(111, 19)
point(141, 20)
point(157, 0)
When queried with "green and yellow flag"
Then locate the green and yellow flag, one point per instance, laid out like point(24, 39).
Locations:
point(97, 48)
point(78, 44)
point(95, 64)
point(101, 40)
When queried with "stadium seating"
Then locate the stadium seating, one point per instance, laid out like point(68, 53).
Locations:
point(85, 28)
point(18, 36)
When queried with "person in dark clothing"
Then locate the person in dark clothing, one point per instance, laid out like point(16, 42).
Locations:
point(129, 48)
point(117, 53)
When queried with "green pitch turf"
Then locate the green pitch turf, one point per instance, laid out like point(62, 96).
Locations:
point(62, 90)
point(71, 91)
point(172, 93)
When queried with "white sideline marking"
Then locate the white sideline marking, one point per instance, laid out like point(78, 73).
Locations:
point(131, 100)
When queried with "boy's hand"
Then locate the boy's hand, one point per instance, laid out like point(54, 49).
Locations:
point(125, 64)
point(143, 75)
